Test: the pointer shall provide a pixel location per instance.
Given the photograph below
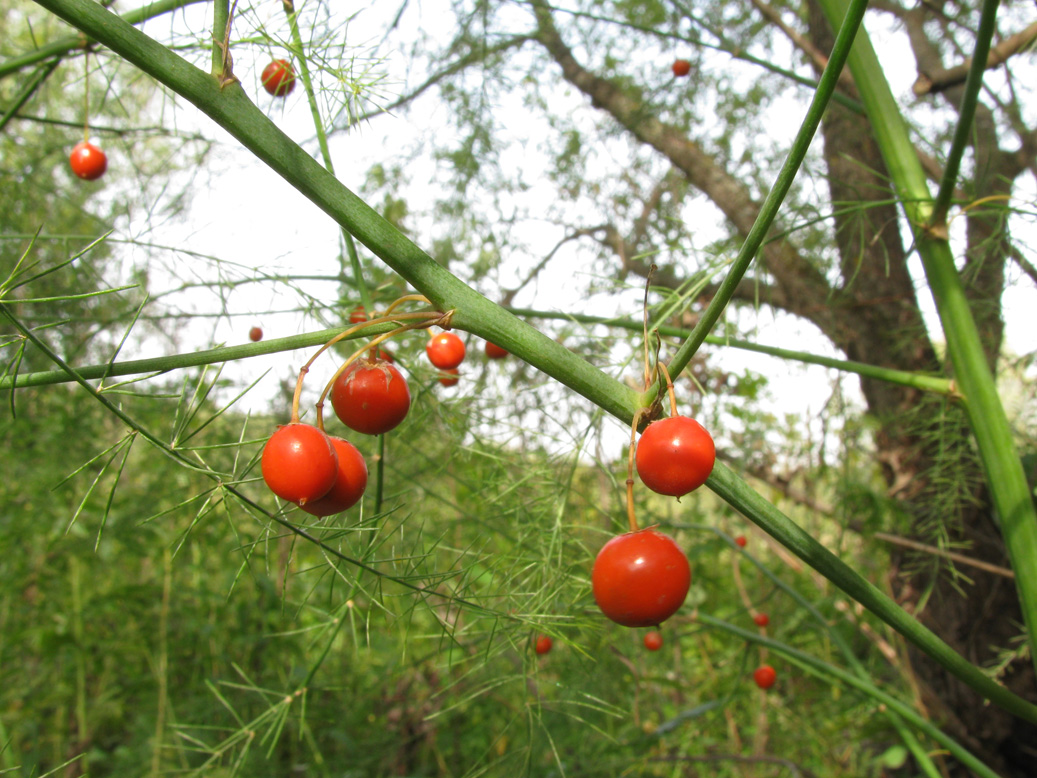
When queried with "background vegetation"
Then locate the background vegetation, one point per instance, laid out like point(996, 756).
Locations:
point(160, 611)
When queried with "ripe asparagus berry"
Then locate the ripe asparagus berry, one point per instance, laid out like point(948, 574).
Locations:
point(88, 161)
point(653, 640)
point(450, 377)
point(350, 482)
point(371, 397)
point(681, 67)
point(640, 579)
point(741, 541)
point(279, 78)
point(543, 644)
point(357, 315)
point(445, 350)
point(493, 351)
point(761, 619)
point(299, 463)
point(765, 676)
point(675, 456)
point(255, 334)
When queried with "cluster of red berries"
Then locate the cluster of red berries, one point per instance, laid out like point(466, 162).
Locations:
point(324, 474)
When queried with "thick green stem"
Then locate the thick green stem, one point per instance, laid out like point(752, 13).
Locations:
point(994, 439)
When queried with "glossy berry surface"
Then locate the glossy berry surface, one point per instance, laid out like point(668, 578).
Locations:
point(741, 541)
point(675, 456)
point(640, 579)
point(88, 161)
point(653, 640)
point(765, 676)
point(299, 463)
point(371, 397)
point(762, 619)
point(493, 351)
point(350, 481)
point(255, 334)
point(279, 78)
point(449, 377)
point(681, 67)
point(445, 350)
point(543, 644)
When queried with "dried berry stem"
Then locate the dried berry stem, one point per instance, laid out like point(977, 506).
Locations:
point(427, 319)
point(669, 390)
point(631, 515)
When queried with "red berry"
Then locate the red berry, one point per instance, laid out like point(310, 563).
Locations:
point(299, 463)
point(88, 161)
point(640, 579)
point(445, 350)
point(681, 67)
point(255, 334)
point(675, 456)
point(449, 377)
point(371, 397)
point(765, 676)
point(357, 315)
point(385, 356)
point(543, 644)
point(279, 78)
point(493, 351)
point(653, 640)
point(741, 541)
point(350, 482)
point(761, 619)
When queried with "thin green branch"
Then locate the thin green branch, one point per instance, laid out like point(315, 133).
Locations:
point(966, 114)
point(41, 75)
point(825, 88)
point(928, 383)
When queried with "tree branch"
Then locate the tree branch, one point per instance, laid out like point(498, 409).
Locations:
point(938, 79)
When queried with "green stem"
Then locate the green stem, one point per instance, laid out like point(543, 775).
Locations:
point(1002, 465)
point(220, 36)
point(825, 88)
point(928, 383)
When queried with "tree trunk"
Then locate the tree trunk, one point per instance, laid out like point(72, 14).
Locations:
point(941, 488)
